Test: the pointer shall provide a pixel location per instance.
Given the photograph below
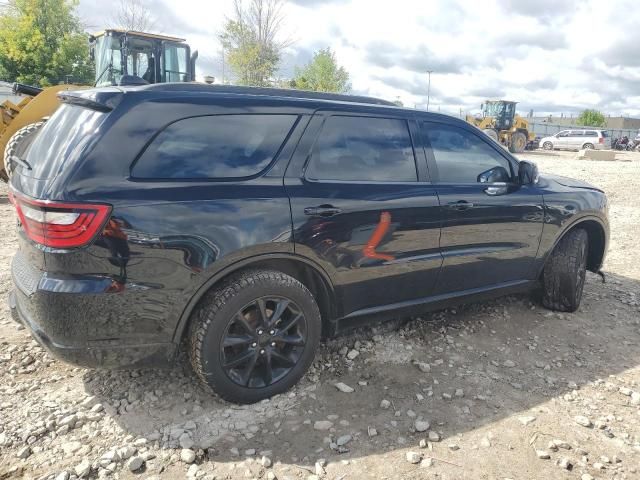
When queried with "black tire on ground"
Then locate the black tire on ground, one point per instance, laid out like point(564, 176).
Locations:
point(518, 142)
point(565, 272)
point(547, 146)
point(587, 146)
point(242, 348)
point(18, 145)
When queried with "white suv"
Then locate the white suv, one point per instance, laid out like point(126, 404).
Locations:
point(577, 140)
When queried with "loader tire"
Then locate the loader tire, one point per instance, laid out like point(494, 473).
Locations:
point(565, 271)
point(18, 145)
point(491, 133)
point(518, 142)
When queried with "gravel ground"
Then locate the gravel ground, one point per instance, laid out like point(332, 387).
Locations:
point(495, 390)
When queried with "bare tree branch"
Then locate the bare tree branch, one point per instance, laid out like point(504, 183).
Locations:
point(134, 15)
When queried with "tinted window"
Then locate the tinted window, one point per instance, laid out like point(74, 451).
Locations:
point(576, 133)
point(220, 146)
point(461, 156)
point(590, 133)
point(606, 134)
point(62, 139)
point(363, 149)
point(563, 134)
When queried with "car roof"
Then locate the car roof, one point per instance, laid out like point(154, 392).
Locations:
point(194, 87)
point(105, 98)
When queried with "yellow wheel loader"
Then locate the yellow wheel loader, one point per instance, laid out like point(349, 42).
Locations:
point(121, 57)
point(500, 122)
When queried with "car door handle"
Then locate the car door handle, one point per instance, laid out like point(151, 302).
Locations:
point(322, 211)
point(460, 205)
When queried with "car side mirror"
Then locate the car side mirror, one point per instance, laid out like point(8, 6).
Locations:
point(494, 175)
point(527, 173)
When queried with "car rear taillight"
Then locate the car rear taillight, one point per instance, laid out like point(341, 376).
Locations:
point(601, 140)
point(60, 224)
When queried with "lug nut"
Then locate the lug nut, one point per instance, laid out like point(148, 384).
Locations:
point(262, 352)
point(273, 344)
point(260, 332)
point(254, 344)
point(272, 332)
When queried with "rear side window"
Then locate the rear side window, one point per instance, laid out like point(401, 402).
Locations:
point(214, 147)
point(576, 133)
point(363, 149)
point(590, 133)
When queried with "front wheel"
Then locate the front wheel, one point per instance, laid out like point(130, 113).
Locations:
point(565, 272)
point(518, 142)
point(255, 336)
point(547, 146)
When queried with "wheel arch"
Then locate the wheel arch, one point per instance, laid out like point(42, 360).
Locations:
point(305, 271)
point(597, 234)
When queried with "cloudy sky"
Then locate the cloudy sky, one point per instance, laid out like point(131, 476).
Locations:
point(552, 56)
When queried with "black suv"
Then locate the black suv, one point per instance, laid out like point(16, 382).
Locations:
point(246, 223)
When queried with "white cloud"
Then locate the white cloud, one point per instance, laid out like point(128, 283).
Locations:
point(550, 56)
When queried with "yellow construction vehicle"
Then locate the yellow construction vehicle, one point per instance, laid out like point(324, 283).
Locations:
point(500, 122)
point(121, 58)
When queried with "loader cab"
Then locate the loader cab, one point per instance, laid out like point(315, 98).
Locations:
point(135, 58)
point(502, 111)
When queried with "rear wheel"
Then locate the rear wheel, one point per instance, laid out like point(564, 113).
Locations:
point(587, 146)
point(518, 142)
point(255, 336)
point(565, 272)
point(18, 145)
point(547, 146)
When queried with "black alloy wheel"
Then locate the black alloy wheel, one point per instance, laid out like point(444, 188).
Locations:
point(254, 335)
point(263, 342)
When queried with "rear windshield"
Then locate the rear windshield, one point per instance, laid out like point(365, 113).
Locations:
point(61, 140)
point(605, 133)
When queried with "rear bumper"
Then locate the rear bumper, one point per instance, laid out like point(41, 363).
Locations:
point(110, 356)
point(66, 322)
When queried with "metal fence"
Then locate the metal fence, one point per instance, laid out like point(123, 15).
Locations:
point(546, 129)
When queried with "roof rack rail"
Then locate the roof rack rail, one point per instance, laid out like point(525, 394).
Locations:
point(278, 92)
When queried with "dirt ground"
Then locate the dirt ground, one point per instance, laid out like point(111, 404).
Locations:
point(496, 390)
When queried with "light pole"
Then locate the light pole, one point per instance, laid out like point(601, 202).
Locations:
point(429, 89)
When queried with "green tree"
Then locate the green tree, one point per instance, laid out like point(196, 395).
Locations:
point(251, 41)
point(42, 43)
point(591, 118)
point(322, 74)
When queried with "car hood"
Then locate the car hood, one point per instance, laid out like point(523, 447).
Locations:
point(568, 182)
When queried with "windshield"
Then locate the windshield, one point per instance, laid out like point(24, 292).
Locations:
point(108, 60)
point(140, 59)
point(494, 109)
point(62, 139)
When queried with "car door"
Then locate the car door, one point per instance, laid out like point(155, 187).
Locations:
point(363, 208)
point(562, 140)
point(491, 225)
point(575, 139)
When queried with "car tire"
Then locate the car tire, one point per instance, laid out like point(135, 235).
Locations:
point(18, 144)
point(237, 347)
point(587, 146)
point(547, 146)
point(564, 273)
point(518, 142)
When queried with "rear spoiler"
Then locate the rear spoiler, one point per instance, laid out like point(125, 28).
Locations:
point(102, 100)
